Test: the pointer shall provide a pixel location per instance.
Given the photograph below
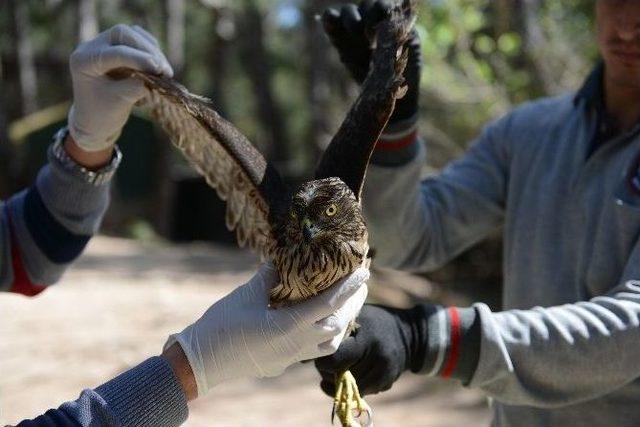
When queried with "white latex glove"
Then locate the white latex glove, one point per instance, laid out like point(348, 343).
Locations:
point(101, 105)
point(239, 336)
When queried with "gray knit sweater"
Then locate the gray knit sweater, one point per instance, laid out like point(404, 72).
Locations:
point(566, 349)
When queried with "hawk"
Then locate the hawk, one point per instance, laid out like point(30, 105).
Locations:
point(315, 234)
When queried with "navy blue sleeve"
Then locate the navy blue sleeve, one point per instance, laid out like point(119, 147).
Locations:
point(89, 410)
point(148, 395)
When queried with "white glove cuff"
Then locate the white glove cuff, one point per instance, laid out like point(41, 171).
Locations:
point(90, 142)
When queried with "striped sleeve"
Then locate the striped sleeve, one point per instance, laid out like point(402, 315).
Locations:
point(453, 342)
point(44, 228)
point(398, 144)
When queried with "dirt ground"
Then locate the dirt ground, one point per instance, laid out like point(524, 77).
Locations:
point(117, 305)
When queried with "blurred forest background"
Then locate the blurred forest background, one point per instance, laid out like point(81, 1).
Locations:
point(270, 70)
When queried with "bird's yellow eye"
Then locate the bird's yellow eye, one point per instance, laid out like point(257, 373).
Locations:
point(331, 210)
point(293, 214)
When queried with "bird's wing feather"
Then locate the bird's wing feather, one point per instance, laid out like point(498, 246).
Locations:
point(348, 153)
point(230, 164)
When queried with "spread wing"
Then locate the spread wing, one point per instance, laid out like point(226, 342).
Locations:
point(251, 187)
point(348, 153)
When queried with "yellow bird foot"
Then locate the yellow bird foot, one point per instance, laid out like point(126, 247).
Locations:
point(348, 405)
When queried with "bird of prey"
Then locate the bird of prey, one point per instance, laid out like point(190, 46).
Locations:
point(315, 234)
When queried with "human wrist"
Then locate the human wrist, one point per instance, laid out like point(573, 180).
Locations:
point(449, 341)
point(91, 160)
point(187, 351)
point(176, 358)
point(60, 159)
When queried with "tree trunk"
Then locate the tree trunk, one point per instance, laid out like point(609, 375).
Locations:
point(87, 20)
point(142, 15)
point(502, 15)
point(6, 149)
point(319, 131)
point(536, 45)
point(175, 35)
point(257, 64)
point(26, 69)
point(222, 35)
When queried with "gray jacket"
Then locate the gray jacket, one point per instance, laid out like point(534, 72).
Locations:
point(566, 348)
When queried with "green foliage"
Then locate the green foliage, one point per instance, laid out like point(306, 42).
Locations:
point(509, 44)
point(477, 63)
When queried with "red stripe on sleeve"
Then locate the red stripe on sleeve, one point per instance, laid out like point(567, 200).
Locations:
point(454, 352)
point(397, 144)
point(21, 282)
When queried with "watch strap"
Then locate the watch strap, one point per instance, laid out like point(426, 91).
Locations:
point(96, 178)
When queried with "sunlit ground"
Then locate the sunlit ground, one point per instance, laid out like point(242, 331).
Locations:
point(117, 306)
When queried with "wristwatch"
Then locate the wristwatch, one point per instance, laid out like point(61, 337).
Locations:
point(96, 178)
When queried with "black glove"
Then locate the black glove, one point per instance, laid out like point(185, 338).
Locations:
point(350, 29)
point(388, 342)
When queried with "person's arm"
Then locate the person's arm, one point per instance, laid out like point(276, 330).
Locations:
point(542, 357)
point(43, 229)
point(420, 225)
point(151, 394)
point(565, 354)
point(414, 225)
point(238, 336)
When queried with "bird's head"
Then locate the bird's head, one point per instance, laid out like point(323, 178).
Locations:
point(324, 211)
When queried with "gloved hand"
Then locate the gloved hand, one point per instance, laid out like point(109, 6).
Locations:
point(424, 339)
point(239, 336)
point(350, 30)
point(388, 342)
point(101, 105)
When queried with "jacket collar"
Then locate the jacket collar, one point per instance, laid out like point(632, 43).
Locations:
point(592, 91)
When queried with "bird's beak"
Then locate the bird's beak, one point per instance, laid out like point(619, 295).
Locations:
point(308, 231)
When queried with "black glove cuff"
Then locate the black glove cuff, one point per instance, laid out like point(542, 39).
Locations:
point(407, 106)
point(420, 316)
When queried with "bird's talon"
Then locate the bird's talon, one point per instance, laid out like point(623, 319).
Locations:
point(348, 405)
